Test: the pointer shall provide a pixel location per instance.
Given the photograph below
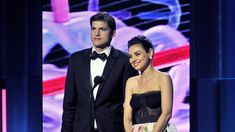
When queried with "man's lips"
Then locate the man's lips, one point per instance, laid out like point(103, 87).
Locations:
point(97, 38)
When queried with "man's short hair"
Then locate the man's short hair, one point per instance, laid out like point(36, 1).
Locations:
point(104, 16)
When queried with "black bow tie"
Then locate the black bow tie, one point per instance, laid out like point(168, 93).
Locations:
point(94, 55)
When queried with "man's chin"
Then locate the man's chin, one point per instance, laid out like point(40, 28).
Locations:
point(101, 46)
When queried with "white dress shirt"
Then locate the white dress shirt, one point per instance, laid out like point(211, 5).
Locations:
point(97, 68)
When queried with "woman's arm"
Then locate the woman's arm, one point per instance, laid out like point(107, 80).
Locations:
point(166, 103)
point(127, 108)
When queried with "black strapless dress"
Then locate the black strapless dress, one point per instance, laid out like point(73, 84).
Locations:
point(146, 107)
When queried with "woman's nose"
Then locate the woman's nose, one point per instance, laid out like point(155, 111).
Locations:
point(133, 59)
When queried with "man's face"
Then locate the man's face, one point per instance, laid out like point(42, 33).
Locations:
point(101, 34)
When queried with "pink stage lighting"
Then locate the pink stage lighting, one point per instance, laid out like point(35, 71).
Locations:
point(61, 10)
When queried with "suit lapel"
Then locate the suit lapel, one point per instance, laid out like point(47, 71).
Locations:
point(108, 68)
point(86, 73)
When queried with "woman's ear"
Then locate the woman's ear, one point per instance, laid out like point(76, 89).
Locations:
point(150, 53)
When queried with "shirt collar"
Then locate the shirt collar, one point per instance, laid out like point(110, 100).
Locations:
point(106, 51)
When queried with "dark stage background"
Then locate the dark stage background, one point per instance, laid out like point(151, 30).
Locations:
point(212, 72)
point(212, 77)
point(20, 39)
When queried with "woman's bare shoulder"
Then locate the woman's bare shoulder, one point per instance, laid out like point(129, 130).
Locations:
point(163, 75)
point(133, 79)
point(132, 82)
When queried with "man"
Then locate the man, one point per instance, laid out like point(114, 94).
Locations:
point(88, 109)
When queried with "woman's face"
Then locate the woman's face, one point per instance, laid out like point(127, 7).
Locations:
point(138, 57)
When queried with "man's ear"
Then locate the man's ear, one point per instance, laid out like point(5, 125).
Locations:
point(114, 33)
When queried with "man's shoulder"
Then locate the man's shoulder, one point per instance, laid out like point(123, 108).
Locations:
point(81, 53)
point(120, 53)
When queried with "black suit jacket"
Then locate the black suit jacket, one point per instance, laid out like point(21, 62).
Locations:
point(108, 106)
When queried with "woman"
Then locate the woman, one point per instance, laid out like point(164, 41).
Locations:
point(148, 97)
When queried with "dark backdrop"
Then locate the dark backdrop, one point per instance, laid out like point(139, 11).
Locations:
point(20, 29)
point(212, 65)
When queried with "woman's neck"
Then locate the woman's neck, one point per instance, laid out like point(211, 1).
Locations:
point(148, 72)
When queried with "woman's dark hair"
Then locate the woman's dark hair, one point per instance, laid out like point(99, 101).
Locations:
point(104, 16)
point(141, 40)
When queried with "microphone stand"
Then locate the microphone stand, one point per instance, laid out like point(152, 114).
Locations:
point(97, 80)
point(92, 108)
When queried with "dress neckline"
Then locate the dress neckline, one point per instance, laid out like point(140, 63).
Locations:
point(153, 91)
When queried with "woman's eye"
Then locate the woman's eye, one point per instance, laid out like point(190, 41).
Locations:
point(137, 54)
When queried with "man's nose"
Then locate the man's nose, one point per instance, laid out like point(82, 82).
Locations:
point(97, 33)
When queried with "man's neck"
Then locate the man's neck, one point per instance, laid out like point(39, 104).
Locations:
point(99, 50)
